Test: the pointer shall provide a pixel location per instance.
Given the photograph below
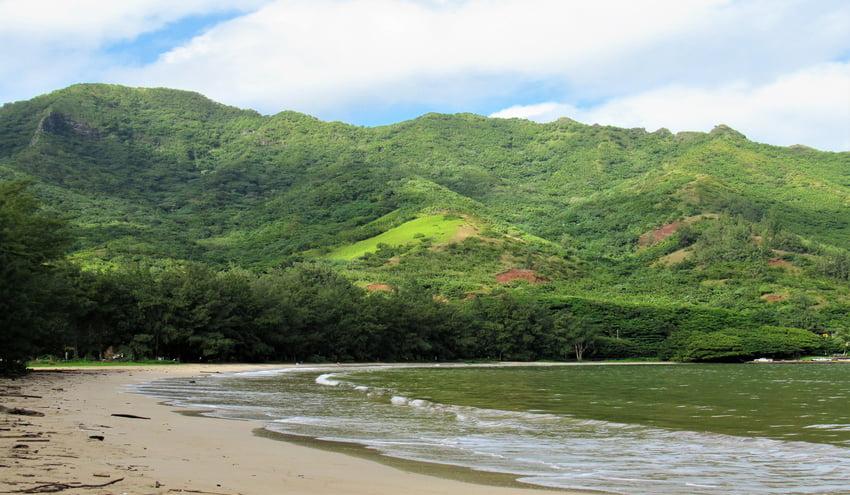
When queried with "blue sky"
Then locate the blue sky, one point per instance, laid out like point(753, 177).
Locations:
point(777, 70)
point(148, 46)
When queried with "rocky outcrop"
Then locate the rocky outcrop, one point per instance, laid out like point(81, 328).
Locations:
point(59, 124)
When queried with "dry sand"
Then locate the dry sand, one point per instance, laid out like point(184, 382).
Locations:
point(170, 452)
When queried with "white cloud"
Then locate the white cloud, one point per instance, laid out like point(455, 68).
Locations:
point(80, 23)
point(46, 44)
point(810, 106)
point(312, 55)
point(538, 112)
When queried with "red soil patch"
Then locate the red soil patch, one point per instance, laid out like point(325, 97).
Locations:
point(774, 297)
point(379, 288)
point(665, 231)
point(784, 264)
point(659, 234)
point(529, 276)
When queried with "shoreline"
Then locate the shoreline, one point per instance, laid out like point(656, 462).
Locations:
point(77, 441)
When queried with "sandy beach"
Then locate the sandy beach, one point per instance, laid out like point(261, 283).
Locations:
point(78, 441)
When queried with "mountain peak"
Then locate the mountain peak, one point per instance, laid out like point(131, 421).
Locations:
point(725, 130)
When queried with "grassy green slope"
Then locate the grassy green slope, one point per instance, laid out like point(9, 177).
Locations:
point(437, 228)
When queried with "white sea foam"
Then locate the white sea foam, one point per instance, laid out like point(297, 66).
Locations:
point(830, 427)
point(325, 379)
point(266, 372)
point(301, 420)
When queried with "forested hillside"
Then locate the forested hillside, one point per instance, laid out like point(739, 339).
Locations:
point(640, 243)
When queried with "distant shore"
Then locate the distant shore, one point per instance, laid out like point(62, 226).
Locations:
point(78, 441)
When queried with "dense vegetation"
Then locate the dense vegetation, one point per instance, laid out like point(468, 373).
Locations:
point(172, 226)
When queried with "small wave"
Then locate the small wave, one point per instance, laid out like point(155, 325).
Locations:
point(301, 420)
point(266, 372)
point(400, 400)
point(325, 379)
point(830, 427)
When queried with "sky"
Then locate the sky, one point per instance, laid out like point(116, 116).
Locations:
point(776, 70)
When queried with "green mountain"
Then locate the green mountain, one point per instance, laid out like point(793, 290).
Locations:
point(463, 204)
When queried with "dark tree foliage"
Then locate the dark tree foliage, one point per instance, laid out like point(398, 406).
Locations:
point(310, 313)
point(32, 245)
point(743, 344)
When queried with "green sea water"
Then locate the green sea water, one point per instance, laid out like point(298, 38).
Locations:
point(807, 402)
point(627, 429)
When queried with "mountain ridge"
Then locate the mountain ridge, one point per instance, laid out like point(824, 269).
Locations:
point(718, 129)
point(158, 174)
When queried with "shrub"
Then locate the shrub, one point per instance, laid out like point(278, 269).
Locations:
point(608, 347)
point(836, 265)
point(713, 346)
point(734, 344)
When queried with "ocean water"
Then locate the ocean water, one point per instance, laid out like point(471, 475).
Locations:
point(636, 429)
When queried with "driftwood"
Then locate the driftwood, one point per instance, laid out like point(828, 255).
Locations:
point(131, 416)
point(58, 487)
point(20, 412)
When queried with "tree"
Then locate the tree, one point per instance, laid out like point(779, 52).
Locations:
point(32, 243)
point(842, 336)
point(156, 305)
point(511, 327)
point(575, 334)
point(562, 324)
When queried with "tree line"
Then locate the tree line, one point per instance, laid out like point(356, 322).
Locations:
point(304, 312)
